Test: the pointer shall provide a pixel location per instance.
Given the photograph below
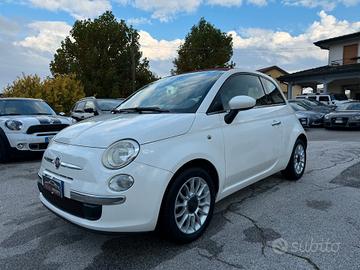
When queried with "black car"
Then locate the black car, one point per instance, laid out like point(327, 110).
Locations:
point(314, 119)
point(347, 115)
point(89, 107)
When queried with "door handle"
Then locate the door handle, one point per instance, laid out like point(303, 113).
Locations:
point(276, 123)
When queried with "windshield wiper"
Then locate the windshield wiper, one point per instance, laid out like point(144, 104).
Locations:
point(8, 114)
point(140, 110)
point(41, 114)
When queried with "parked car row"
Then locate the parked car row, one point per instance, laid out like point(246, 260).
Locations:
point(327, 99)
point(312, 113)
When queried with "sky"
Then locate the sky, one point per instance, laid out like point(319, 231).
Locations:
point(265, 32)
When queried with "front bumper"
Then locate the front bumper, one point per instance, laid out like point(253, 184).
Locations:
point(345, 123)
point(316, 122)
point(134, 210)
point(28, 142)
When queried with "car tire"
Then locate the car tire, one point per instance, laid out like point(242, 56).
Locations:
point(187, 206)
point(4, 151)
point(297, 163)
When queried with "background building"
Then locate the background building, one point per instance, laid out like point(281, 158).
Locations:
point(341, 75)
point(275, 72)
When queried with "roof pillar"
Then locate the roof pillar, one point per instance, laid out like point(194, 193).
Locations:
point(289, 92)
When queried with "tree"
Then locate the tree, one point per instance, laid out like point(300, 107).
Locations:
point(204, 47)
point(105, 56)
point(60, 92)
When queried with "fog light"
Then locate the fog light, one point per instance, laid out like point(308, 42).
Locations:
point(121, 182)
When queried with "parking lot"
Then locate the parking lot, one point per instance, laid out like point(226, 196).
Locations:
point(275, 224)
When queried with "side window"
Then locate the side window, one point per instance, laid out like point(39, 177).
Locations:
point(324, 98)
point(238, 85)
point(312, 98)
point(79, 107)
point(90, 105)
point(273, 92)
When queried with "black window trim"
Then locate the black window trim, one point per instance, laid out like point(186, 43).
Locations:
point(275, 104)
point(256, 106)
point(77, 104)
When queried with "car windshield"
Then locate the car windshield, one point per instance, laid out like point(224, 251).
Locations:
point(24, 107)
point(339, 97)
point(108, 104)
point(297, 107)
point(349, 107)
point(314, 103)
point(178, 94)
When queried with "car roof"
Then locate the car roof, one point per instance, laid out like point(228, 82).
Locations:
point(19, 98)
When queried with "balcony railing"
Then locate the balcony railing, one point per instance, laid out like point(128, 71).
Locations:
point(340, 62)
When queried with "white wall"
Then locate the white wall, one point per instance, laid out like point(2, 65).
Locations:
point(336, 51)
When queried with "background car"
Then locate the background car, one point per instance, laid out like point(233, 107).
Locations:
point(313, 105)
point(315, 119)
point(27, 125)
point(328, 99)
point(303, 119)
point(346, 116)
point(90, 107)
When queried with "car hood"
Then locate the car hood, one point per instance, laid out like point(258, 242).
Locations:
point(311, 114)
point(102, 131)
point(343, 113)
point(30, 120)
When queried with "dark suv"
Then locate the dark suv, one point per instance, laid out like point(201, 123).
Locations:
point(89, 107)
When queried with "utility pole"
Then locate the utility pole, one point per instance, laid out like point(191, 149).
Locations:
point(133, 68)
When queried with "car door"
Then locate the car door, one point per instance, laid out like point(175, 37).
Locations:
point(250, 140)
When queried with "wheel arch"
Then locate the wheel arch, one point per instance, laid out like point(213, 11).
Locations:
point(199, 163)
point(4, 138)
point(303, 137)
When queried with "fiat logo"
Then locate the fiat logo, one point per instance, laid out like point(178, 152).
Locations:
point(57, 162)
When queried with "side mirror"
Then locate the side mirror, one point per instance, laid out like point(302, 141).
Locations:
point(239, 103)
point(62, 114)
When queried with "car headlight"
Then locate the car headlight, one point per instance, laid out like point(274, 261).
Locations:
point(13, 124)
point(356, 117)
point(120, 154)
point(327, 117)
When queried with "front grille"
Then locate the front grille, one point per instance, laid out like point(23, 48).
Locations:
point(46, 128)
point(344, 121)
point(76, 208)
point(38, 146)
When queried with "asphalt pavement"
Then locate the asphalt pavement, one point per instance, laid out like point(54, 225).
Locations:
point(274, 224)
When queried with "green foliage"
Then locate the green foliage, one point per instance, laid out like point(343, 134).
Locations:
point(204, 47)
point(103, 54)
point(60, 92)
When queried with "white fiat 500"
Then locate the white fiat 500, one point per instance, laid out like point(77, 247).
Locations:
point(170, 151)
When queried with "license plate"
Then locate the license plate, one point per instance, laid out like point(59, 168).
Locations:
point(54, 186)
point(339, 121)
